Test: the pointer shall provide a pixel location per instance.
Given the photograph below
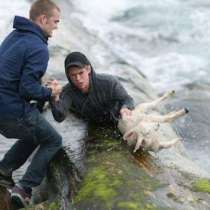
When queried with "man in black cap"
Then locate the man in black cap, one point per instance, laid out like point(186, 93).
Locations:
point(94, 97)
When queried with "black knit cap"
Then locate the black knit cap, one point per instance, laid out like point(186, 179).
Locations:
point(76, 59)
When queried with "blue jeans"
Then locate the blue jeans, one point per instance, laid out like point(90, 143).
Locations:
point(31, 131)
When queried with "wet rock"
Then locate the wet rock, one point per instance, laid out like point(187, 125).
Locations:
point(61, 183)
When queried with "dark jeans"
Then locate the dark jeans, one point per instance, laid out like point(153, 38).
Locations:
point(31, 131)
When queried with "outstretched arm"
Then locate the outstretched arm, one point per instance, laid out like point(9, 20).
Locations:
point(60, 107)
point(125, 101)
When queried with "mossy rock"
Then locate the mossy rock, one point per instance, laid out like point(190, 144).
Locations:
point(201, 185)
point(44, 206)
point(113, 179)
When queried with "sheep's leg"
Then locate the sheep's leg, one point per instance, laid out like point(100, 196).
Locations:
point(164, 145)
point(166, 118)
point(149, 105)
point(138, 144)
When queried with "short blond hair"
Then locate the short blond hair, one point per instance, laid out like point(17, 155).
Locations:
point(42, 7)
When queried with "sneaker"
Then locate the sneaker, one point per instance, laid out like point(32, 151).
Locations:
point(6, 178)
point(19, 197)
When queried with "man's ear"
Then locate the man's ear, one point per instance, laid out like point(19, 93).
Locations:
point(41, 20)
point(130, 135)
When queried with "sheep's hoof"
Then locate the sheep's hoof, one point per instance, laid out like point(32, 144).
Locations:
point(172, 92)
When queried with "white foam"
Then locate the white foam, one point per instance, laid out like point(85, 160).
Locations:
point(174, 70)
point(98, 10)
point(173, 36)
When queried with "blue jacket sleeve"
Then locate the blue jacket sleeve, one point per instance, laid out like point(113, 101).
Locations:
point(35, 66)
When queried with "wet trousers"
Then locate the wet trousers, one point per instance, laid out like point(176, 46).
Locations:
point(32, 132)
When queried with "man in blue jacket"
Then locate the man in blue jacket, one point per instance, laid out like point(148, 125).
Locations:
point(23, 61)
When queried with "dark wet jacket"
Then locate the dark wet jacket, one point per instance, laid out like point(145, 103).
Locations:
point(103, 102)
point(23, 61)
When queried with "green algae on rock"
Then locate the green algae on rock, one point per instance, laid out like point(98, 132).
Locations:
point(113, 180)
point(201, 185)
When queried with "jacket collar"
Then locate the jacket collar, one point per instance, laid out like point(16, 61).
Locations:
point(24, 24)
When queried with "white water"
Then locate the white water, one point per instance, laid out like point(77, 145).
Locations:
point(167, 40)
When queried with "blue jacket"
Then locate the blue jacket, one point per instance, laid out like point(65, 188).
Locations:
point(23, 61)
